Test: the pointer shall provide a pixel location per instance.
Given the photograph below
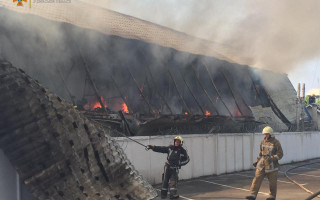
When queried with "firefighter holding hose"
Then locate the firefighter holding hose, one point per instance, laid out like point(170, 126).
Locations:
point(267, 164)
point(177, 157)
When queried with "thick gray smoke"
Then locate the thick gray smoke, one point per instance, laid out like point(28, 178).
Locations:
point(47, 46)
point(275, 35)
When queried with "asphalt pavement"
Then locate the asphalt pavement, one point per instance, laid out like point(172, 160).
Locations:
point(237, 185)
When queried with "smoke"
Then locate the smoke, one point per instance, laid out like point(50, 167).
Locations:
point(49, 45)
point(274, 35)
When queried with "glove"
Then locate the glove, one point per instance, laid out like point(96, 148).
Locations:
point(150, 147)
point(274, 158)
point(255, 164)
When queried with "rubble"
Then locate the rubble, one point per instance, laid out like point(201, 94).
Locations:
point(58, 153)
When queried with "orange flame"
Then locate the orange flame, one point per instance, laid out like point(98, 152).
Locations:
point(124, 107)
point(207, 113)
point(95, 104)
point(141, 88)
point(238, 114)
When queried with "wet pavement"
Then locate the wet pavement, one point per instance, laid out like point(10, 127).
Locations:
point(237, 185)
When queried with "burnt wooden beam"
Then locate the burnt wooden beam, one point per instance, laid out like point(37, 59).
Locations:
point(141, 94)
point(155, 85)
point(175, 84)
point(121, 94)
point(65, 86)
point(232, 92)
point(197, 102)
point(205, 91)
point(216, 88)
point(98, 96)
point(254, 86)
point(156, 89)
point(68, 73)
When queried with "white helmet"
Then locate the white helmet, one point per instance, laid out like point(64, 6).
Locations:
point(267, 130)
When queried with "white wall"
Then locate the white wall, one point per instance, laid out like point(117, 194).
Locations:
point(209, 154)
point(217, 153)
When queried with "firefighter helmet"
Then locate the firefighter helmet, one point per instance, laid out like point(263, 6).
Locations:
point(267, 130)
point(179, 138)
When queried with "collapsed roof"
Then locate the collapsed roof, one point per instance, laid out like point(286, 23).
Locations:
point(83, 14)
point(143, 78)
point(58, 153)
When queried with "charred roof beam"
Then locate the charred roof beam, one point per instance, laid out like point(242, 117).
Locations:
point(141, 94)
point(98, 96)
point(179, 93)
point(185, 82)
point(215, 87)
point(232, 92)
point(121, 94)
point(204, 90)
point(155, 85)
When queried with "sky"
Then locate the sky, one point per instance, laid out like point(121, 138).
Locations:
point(308, 74)
point(281, 36)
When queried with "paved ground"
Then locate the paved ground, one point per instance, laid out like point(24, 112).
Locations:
point(236, 185)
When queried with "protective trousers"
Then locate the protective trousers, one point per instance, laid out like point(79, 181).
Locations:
point(259, 176)
point(170, 174)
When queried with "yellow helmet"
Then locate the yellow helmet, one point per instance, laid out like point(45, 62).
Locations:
point(179, 138)
point(267, 129)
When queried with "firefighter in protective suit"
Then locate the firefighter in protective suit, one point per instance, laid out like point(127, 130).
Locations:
point(177, 157)
point(267, 164)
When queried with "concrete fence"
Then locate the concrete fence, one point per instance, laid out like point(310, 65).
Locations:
point(217, 153)
point(209, 154)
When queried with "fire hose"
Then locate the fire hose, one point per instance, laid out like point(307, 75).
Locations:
point(313, 195)
point(135, 141)
point(127, 125)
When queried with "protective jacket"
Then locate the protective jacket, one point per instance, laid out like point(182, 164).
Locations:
point(269, 154)
point(177, 155)
point(312, 100)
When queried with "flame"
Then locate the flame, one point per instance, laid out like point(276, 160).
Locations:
point(124, 107)
point(186, 113)
point(142, 87)
point(207, 113)
point(95, 104)
point(238, 114)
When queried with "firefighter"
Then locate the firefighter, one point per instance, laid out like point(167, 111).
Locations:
point(267, 164)
point(177, 157)
point(312, 99)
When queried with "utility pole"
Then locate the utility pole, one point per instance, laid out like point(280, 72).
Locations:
point(298, 107)
point(302, 106)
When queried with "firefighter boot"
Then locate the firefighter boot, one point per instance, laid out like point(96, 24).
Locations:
point(175, 196)
point(164, 194)
point(251, 197)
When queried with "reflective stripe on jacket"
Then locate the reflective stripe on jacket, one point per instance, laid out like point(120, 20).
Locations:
point(269, 154)
point(177, 156)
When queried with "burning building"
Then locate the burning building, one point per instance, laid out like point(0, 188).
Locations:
point(162, 80)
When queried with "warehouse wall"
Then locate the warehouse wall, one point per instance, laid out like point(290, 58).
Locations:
point(218, 153)
point(209, 154)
